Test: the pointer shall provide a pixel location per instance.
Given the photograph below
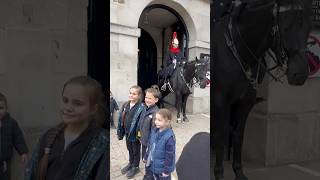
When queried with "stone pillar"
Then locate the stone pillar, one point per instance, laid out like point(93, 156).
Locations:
point(286, 127)
point(199, 100)
point(123, 59)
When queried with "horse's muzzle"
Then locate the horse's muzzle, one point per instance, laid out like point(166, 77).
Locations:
point(203, 84)
point(298, 69)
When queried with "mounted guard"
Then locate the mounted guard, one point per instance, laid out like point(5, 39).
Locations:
point(174, 58)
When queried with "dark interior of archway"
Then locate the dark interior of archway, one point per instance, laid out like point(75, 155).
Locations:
point(147, 65)
point(98, 42)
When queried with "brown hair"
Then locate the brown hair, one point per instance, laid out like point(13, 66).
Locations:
point(4, 99)
point(165, 113)
point(95, 94)
point(155, 93)
point(139, 89)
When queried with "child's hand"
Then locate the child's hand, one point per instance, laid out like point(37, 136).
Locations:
point(165, 175)
point(24, 159)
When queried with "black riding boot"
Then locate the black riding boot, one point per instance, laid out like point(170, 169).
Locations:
point(237, 168)
point(218, 173)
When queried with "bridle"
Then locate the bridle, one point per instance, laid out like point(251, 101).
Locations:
point(282, 54)
point(203, 66)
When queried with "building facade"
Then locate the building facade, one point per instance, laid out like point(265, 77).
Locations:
point(140, 33)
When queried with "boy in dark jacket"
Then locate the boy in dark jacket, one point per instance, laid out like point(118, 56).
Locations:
point(146, 121)
point(10, 136)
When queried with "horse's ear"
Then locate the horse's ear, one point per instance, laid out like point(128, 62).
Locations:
point(197, 59)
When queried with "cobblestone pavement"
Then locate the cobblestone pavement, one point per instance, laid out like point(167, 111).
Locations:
point(183, 131)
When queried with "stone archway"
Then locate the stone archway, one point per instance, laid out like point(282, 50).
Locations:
point(184, 15)
point(159, 21)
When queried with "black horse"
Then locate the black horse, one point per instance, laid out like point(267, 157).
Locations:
point(238, 44)
point(181, 82)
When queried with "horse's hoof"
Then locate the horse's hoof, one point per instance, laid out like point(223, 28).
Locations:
point(219, 177)
point(178, 120)
point(240, 176)
point(186, 119)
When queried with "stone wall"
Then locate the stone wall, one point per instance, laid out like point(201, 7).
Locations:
point(42, 44)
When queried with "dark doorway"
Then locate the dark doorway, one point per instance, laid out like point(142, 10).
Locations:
point(98, 41)
point(147, 65)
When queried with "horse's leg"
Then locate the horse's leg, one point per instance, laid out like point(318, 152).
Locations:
point(239, 114)
point(161, 100)
point(220, 124)
point(184, 105)
point(178, 105)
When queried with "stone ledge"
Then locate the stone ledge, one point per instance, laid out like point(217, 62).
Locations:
point(124, 30)
point(199, 44)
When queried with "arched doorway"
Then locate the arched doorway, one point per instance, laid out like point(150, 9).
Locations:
point(159, 22)
point(147, 67)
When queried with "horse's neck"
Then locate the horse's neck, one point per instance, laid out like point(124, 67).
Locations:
point(189, 71)
point(254, 26)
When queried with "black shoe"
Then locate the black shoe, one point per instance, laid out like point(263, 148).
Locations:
point(126, 169)
point(148, 177)
point(240, 175)
point(132, 172)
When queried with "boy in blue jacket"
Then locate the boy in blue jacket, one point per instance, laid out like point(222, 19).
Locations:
point(160, 155)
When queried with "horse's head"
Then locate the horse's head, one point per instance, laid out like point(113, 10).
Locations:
point(201, 68)
point(293, 20)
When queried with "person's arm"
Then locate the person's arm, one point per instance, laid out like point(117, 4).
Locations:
point(101, 169)
point(116, 105)
point(140, 124)
point(150, 126)
point(120, 128)
point(32, 164)
point(19, 142)
point(145, 158)
point(169, 155)
point(168, 59)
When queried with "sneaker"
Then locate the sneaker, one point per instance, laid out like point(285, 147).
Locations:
point(126, 169)
point(132, 172)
